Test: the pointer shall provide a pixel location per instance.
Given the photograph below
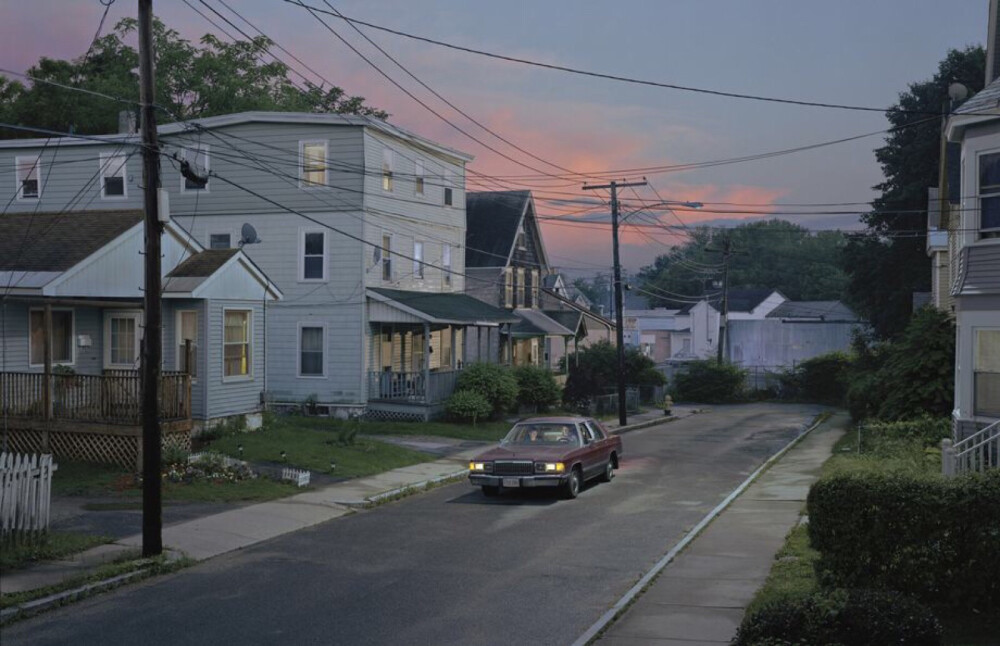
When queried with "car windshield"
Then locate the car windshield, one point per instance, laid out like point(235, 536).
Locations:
point(543, 434)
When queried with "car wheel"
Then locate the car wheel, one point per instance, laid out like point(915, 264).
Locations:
point(609, 471)
point(490, 491)
point(572, 487)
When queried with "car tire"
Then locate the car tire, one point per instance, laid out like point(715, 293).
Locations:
point(572, 487)
point(609, 471)
point(490, 491)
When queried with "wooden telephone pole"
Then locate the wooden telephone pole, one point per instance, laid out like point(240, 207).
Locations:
point(619, 318)
point(152, 510)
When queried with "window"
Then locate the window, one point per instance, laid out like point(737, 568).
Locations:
point(989, 193)
point(535, 285)
point(446, 264)
point(418, 177)
point(386, 257)
point(28, 170)
point(112, 176)
point(508, 287)
point(220, 241)
point(386, 169)
point(312, 247)
point(448, 197)
point(312, 155)
point(121, 339)
point(197, 157)
point(986, 371)
point(418, 259)
point(311, 351)
point(187, 330)
point(62, 337)
point(519, 287)
point(236, 343)
point(520, 238)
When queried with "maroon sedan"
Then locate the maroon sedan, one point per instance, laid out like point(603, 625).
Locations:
point(560, 452)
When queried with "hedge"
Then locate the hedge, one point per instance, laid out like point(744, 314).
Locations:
point(934, 538)
point(709, 382)
point(844, 618)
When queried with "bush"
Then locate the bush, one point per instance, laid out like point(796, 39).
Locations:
point(822, 379)
point(493, 382)
point(467, 406)
point(919, 373)
point(845, 618)
point(930, 537)
point(536, 387)
point(594, 370)
point(710, 382)
point(928, 432)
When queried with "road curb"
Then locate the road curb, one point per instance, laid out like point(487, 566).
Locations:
point(635, 591)
point(36, 606)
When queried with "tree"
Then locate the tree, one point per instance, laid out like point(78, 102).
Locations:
point(597, 289)
point(888, 261)
point(215, 78)
point(918, 377)
point(772, 254)
point(594, 371)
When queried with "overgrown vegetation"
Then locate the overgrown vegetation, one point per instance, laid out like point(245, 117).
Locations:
point(709, 382)
point(468, 406)
point(50, 545)
point(823, 379)
point(595, 370)
point(493, 382)
point(536, 388)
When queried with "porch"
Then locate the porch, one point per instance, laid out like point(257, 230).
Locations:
point(95, 418)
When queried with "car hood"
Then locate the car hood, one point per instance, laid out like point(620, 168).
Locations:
point(538, 453)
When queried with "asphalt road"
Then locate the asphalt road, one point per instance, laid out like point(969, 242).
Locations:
point(449, 566)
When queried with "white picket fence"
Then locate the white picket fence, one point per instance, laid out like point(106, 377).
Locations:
point(25, 493)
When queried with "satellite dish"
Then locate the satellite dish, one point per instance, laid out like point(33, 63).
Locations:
point(248, 235)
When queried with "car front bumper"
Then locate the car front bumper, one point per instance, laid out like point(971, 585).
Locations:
point(517, 482)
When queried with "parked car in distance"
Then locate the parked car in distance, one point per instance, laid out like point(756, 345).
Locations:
point(560, 452)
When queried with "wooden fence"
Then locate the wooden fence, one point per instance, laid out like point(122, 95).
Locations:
point(25, 494)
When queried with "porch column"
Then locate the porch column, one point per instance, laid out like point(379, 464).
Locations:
point(427, 362)
point(454, 350)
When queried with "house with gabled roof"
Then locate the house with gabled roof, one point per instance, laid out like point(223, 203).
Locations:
point(71, 310)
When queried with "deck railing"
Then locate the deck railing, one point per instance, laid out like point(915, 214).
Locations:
point(976, 453)
point(112, 398)
point(411, 387)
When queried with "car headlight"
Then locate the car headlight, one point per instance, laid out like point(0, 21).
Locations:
point(480, 467)
point(550, 467)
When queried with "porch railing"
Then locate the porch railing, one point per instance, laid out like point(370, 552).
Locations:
point(976, 453)
point(113, 398)
point(411, 387)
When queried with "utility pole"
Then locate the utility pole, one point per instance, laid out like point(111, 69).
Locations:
point(727, 248)
point(619, 318)
point(152, 510)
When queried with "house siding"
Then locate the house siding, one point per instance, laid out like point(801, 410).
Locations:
point(171, 350)
point(87, 321)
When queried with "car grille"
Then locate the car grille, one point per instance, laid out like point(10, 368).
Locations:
point(512, 468)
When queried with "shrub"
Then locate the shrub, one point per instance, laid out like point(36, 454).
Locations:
point(928, 431)
point(919, 372)
point(493, 382)
point(846, 618)
point(710, 382)
point(536, 387)
point(931, 537)
point(822, 379)
point(467, 406)
point(172, 454)
point(593, 370)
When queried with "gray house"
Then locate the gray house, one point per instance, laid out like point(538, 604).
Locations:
point(358, 224)
point(71, 299)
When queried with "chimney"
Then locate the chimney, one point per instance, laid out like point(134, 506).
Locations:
point(127, 122)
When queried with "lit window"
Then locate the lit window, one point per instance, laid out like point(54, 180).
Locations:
point(236, 343)
point(197, 158)
point(418, 259)
point(311, 351)
point(535, 281)
point(112, 176)
point(386, 169)
point(28, 170)
point(519, 288)
point(446, 264)
point(313, 156)
point(418, 177)
point(313, 254)
point(62, 337)
point(386, 257)
point(187, 330)
point(508, 287)
point(989, 193)
point(219, 241)
point(986, 373)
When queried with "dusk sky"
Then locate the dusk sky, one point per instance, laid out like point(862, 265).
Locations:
point(854, 52)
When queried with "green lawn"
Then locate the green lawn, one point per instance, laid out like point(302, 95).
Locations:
point(483, 431)
point(49, 546)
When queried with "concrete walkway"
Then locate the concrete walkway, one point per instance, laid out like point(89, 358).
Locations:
point(699, 597)
point(209, 536)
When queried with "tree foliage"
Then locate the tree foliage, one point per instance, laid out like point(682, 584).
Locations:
point(191, 81)
point(710, 382)
point(594, 371)
point(536, 387)
point(888, 262)
point(493, 382)
point(772, 254)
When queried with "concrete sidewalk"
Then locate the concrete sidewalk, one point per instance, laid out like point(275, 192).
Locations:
point(210, 536)
point(700, 596)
